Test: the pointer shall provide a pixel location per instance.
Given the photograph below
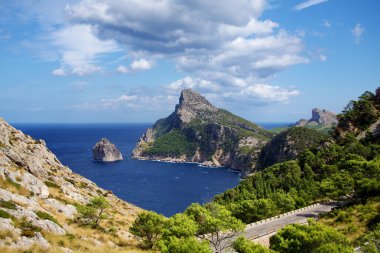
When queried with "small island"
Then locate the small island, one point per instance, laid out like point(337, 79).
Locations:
point(106, 151)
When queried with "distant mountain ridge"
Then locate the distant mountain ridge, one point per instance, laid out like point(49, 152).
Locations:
point(199, 132)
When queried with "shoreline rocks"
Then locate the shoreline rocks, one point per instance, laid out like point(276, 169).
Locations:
point(105, 151)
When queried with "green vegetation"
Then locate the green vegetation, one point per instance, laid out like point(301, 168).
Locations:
point(212, 224)
point(243, 245)
point(173, 143)
point(312, 238)
point(51, 184)
point(7, 204)
point(45, 216)
point(92, 213)
point(288, 144)
point(28, 229)
point(5, 215)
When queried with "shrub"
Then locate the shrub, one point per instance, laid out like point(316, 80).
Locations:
point(92, 213)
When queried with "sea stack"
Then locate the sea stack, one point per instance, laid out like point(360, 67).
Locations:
point(105, 151)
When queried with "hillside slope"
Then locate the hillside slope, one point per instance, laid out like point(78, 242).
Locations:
point(199, 132)
point(40, 199)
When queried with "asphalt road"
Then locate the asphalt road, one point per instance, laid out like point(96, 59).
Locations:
point(267, 226)
point(271, 225)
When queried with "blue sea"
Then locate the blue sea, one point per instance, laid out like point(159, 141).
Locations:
point(166, 188)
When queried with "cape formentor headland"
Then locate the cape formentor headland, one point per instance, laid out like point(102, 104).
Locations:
point(199, 132)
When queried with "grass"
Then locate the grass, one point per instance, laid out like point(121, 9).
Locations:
point(51, 184)
point(5, 215)
point(7, 204)
point(353, 221)
point(45, 216)
point(13, 187)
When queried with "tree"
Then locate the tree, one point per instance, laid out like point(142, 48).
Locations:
point(184, 245)
point(93, 212)
point(313, 238)
point(243, 245)
point(215, 224)
point(148, 228)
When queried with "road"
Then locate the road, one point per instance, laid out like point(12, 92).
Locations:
point(271, 225)
point(267, 226)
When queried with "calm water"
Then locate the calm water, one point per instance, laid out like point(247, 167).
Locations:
point(166, 188)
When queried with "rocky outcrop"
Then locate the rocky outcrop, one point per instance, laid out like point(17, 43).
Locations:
point(288, 144)
point(39, 196)
point(319, 117)
point(199, 132)
point(106, 151)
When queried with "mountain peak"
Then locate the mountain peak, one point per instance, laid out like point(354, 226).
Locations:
point(190, 97)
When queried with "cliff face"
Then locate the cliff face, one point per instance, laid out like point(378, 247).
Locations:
point(106, 151)
point(38, 196)
point(199, 132)
point(318, 118)
point(288, 144)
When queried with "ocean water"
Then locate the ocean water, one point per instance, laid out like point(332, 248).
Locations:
point(166, 188)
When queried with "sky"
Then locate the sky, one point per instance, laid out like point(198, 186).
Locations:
point(105, 61)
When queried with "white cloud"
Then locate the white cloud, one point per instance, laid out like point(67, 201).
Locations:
point(80, 49)
point(122, 69)
point(357, 32)
point(326, 23)
point(308, 4)
point(59, 72)
point(269, 92)
point(141, 64)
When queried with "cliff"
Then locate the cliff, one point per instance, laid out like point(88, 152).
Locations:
point(39, 201)
point(199, 132)
point(319, 118)
point(106, 151)
point(288, 144)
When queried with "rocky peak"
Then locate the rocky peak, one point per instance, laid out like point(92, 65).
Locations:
point(323, 116)
point(191, 104)
point(319, 117)
point(106, 151)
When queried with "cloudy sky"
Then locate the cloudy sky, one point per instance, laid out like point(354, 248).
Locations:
point(128, 60)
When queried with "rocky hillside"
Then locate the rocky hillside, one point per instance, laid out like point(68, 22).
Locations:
point(288, 145)
point(199, 132)
point(45, 206)
point(321, 120)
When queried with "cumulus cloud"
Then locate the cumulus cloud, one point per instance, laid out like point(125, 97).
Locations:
point(357, 32)
point(141, 64)
point(224, 46)
point(308, 4)
point(80, 49)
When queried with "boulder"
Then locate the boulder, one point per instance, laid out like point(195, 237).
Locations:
point(106, 151)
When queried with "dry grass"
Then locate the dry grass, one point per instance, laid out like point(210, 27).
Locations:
point(13, 187)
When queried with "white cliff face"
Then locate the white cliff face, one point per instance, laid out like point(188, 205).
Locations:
point(106, 151)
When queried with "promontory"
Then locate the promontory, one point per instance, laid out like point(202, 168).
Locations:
point(199, 132)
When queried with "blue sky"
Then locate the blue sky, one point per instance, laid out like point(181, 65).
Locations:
point(127, 60)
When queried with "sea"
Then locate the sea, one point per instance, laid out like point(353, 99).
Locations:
point(166, 188)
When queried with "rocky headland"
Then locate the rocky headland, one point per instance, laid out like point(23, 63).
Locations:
point(105, 151)
point(199, 132)
point(39, 200)
point(319, 118)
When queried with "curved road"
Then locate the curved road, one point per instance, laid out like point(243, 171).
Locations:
point(271, 225)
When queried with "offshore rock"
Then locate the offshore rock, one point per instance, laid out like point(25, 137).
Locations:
point(319, 117)
point(106, 151)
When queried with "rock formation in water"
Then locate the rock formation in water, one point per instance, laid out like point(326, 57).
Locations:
point(106, 151)
point(319, 118)
point(199, 132)
point(38, 199)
